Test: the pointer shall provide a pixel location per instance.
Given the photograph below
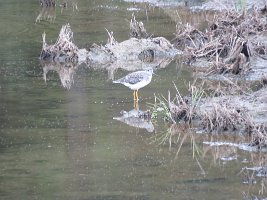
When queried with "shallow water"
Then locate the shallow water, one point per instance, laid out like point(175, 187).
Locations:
point(58, 143)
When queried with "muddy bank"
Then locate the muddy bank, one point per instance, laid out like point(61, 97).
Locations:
point(168, 3)
point(233, 44)
point(244, 110)
point(230, 5)
point(232, 114)
point(233, 47)
point(196, 5)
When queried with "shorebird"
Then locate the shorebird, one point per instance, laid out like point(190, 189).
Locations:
point(136, 80)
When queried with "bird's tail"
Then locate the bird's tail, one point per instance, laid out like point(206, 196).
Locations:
point(116, 81)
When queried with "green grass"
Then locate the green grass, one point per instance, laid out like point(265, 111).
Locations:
point(160, 107)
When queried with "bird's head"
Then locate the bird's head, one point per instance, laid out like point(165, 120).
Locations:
point(150, 70)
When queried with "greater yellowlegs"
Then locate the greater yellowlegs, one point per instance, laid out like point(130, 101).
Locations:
point(136, 80)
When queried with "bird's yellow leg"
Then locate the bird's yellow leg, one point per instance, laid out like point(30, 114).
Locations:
point(134, 104)
point(136, 95)
point(136, 107)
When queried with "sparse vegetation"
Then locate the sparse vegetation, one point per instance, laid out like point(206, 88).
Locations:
point(222, 113)
point(222, 118)
point(180, 108)
point(230, 46)
point(226, 42)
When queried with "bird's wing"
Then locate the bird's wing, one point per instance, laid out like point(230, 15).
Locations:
point(134, 78)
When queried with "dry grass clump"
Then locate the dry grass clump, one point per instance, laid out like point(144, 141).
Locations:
point(188, 38)
point(224, 87)
point(222, 118)
point(185, 107)
point(226, 41)
point(263, 80)
point(111, 40)
point(137, 29)
point(259, 135)
point(180, 108)
point(64, 50)
point(235, 62)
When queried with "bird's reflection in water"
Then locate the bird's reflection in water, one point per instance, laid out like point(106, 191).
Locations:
point(137, 118)
point(65, 71)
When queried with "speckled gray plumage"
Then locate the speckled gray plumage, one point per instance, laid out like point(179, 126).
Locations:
point(134, 77)
point(136, 80)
